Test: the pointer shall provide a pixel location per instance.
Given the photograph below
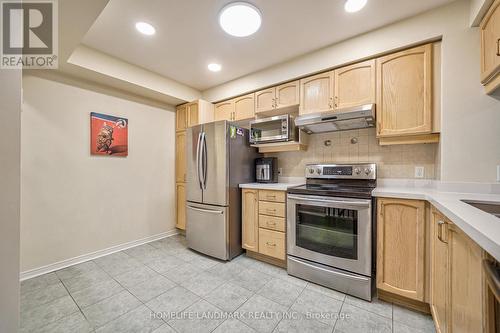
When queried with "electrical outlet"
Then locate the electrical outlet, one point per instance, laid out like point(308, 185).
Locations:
point(419, 172)
point(280, 171)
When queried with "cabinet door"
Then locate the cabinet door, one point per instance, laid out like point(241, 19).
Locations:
point(265, 100)
point(355, 85)
point(466, 291)
point(439, 272)
point(193, 115)
point(250, 215)
point(180, 194)
point(244, 107)
point(180, 157)
point(490, 43)
point(224, 110)
point(181, 118)
point(316, 93)
point(404, 92)
point(287, 94)
point(400, 247)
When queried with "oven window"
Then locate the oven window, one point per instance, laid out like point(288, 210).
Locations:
point(330, 231)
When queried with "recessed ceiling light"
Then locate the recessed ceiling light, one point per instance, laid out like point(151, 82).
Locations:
point(352, 6)
point(214, 67)
point(145, 28)
point(240, 19)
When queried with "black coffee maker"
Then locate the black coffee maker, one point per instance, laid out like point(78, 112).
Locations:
point(266, 169)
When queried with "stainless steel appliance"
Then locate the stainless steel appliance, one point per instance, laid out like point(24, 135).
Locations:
point(273, 129)
point(330, 227)
point(266, 169)
point(219, 159)
point(338, 120)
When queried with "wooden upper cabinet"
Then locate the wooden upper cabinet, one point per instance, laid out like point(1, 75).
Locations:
point(439, 274)
point(401, 247)
point(193, 114)
point(181, 118)
point(180, 197)
point(465, 259)
point(490, 43)
point(316, 93)
point(250, 220)
point(180, 157)
point(265, 100)
point(287, 95)
point(224, 110)
point(355, 85)
point(244, 107)
point(404, 92)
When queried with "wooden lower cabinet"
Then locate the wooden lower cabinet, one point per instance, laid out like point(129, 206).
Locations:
point(263, 224)
point(180, 199)
point(456, 278)
point(250, 220)
point(401, 247)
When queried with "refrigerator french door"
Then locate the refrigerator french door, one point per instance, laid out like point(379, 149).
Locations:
point(219, 159)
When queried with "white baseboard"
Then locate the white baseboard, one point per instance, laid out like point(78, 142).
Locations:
point(94, 255)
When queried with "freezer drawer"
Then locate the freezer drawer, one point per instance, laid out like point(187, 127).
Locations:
point(207, 229)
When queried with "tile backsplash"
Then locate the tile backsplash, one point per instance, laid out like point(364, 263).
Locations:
point(396, 161)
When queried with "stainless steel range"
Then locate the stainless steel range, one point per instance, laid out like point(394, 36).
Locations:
point(330, 227)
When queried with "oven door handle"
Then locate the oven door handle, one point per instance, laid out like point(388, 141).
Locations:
point(353, 203)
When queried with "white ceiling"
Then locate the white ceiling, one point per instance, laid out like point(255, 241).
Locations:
point(188, 36)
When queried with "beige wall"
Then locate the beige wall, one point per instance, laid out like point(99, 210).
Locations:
point(10, 134)
point(470, 119)
point(392, 161)
point(74, 203)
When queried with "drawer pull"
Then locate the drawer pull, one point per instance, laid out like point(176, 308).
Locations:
point(271, 210)
point(271, 196)
point(271, 223)
point(270, 244)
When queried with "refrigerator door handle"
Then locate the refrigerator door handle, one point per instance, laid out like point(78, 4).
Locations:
point(198, 160)
point(205, 161)
point(206, 210)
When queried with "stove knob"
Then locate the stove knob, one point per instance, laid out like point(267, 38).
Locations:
point(368, 171)
point(311, 170)
point(357, 171)
point(318, 171)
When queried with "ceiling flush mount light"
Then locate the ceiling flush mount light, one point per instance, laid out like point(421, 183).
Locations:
point(240, 19)
point(352, 6)
point(214, 67)
point(145, 28)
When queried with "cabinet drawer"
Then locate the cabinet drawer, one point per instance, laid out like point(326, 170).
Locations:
point(272, 208)
point(272, 243)
point(275, 196)
point(271, 222)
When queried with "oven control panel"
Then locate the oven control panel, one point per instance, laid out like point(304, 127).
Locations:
point(346, 171)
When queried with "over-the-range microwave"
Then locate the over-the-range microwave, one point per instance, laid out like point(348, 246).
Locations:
point(273, 129)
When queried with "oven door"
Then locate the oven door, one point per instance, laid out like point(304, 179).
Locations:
point(331, 231)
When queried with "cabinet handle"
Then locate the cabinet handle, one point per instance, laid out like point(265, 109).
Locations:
point(271, 210)
point(440, 231)
point(330, 103)
point(270, 244)
point(498, 47)
point(271, 196)
point(336, 101)
point(271, 224)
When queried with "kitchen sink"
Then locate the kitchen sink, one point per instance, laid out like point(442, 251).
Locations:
point(486, 206)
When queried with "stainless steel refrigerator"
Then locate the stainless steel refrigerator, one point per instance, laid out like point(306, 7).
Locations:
point(219, 159)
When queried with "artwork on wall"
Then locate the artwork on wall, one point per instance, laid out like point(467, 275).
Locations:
point(108, 135)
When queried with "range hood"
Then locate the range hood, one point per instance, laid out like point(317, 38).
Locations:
point(338, 120)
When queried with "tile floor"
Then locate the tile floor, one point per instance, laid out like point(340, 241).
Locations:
point(164, 287)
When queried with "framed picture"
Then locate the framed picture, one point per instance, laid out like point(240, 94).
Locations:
point(108, 135)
